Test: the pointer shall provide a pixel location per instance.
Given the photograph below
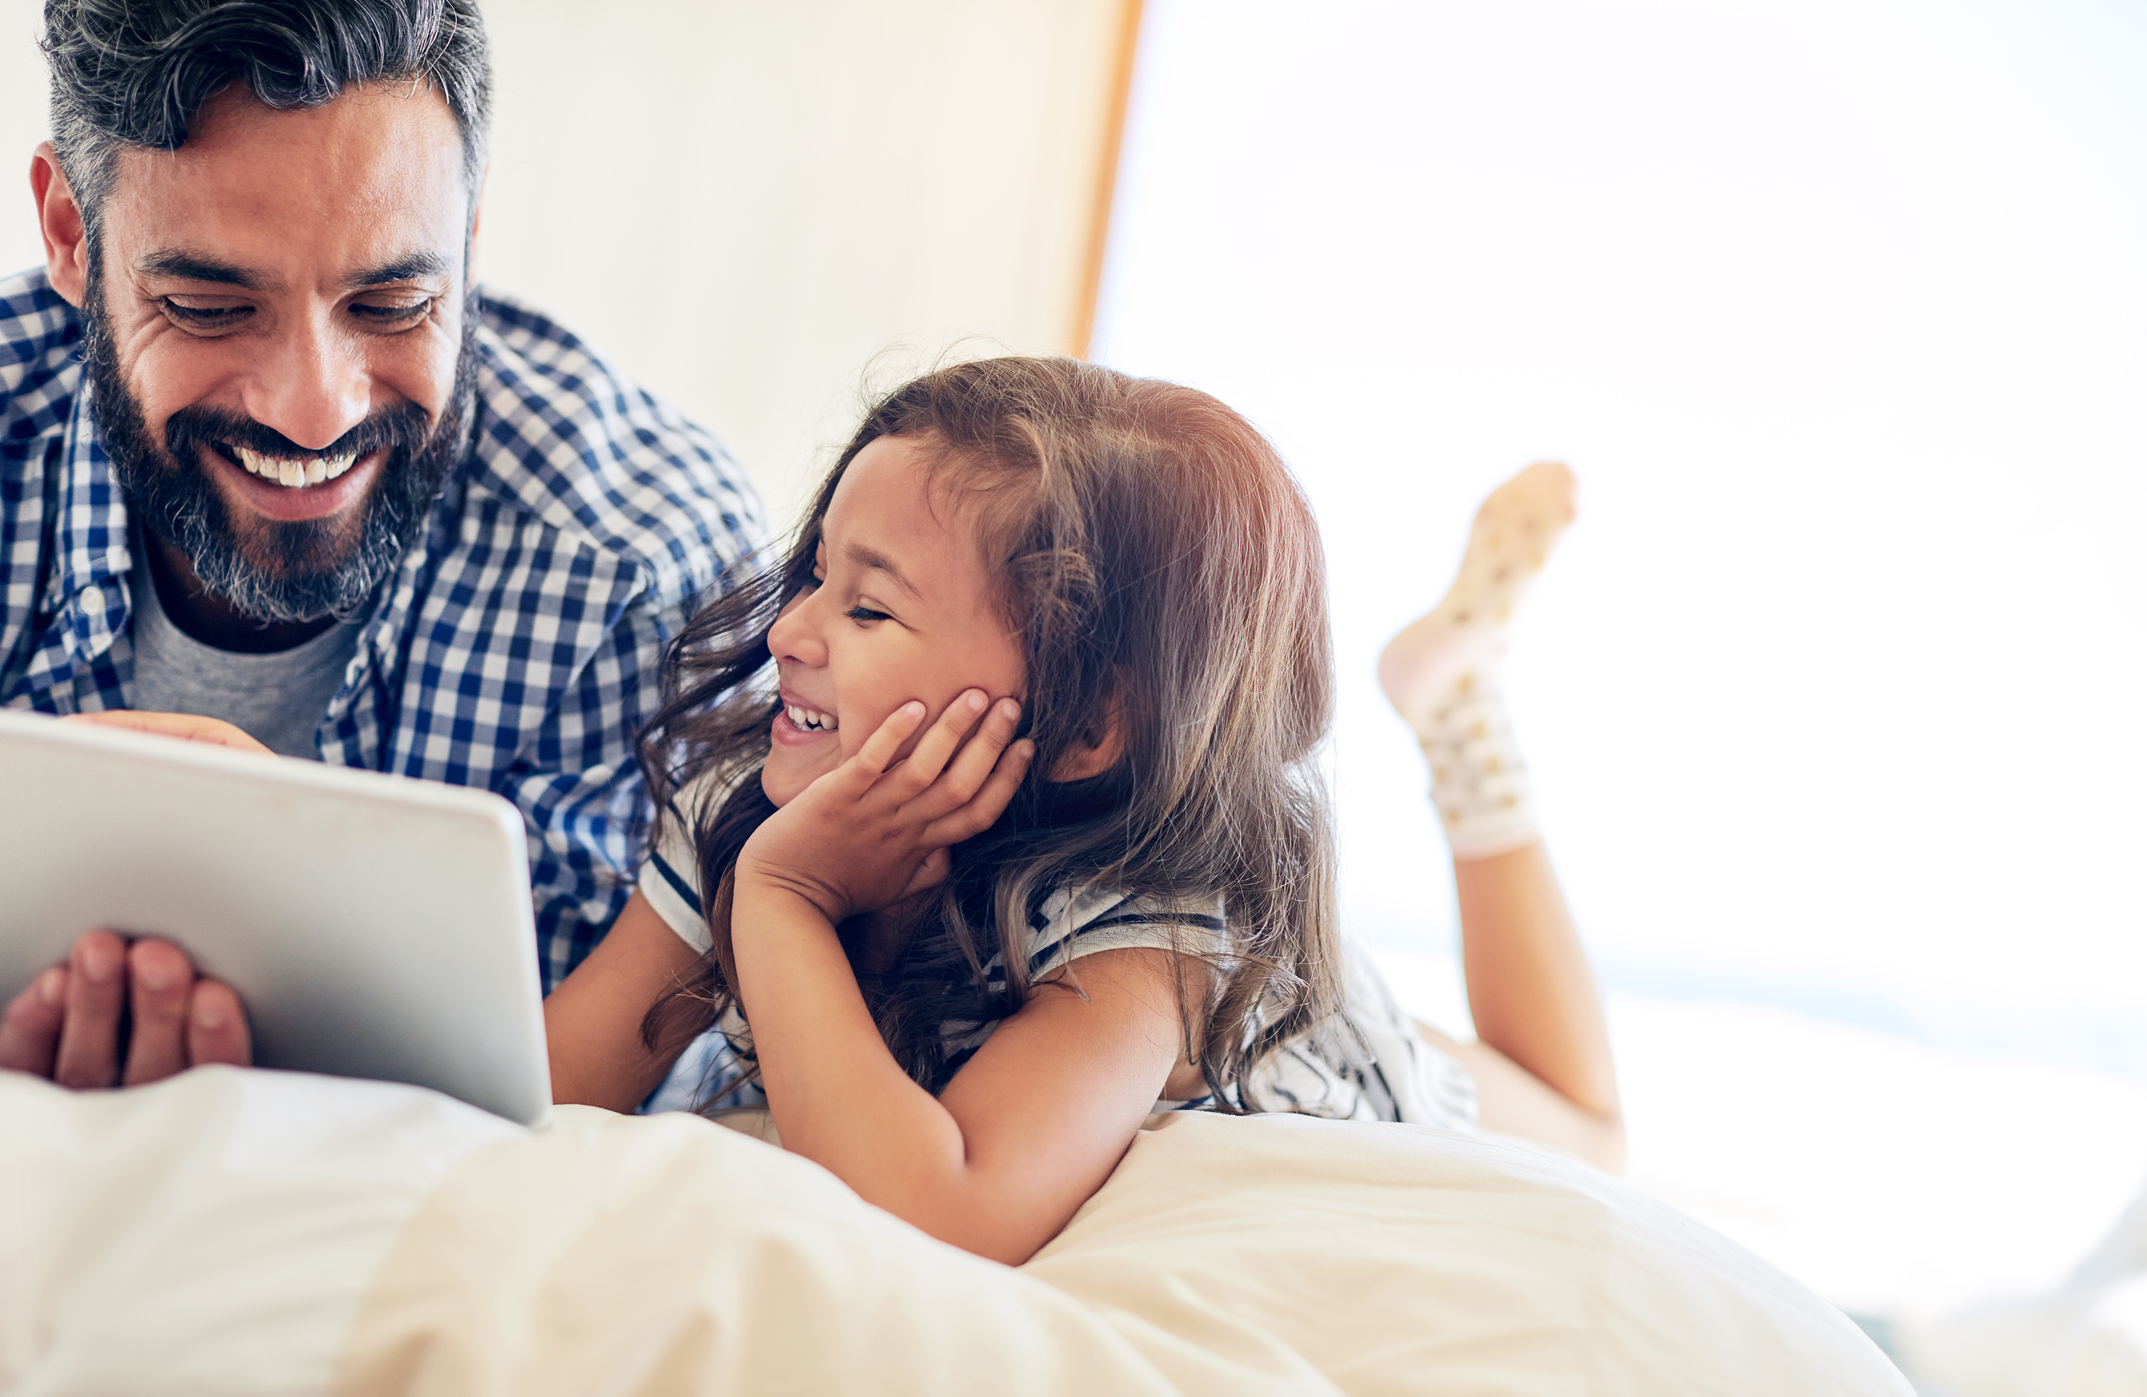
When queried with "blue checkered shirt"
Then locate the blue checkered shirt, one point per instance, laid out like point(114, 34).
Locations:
point(514, 650)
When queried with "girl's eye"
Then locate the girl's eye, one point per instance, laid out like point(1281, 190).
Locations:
point(865, 613)
point(204, 317)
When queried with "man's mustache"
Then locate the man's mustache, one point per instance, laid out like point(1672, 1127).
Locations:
point(404, 426)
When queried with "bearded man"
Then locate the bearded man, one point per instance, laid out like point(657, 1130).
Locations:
point(268, 455)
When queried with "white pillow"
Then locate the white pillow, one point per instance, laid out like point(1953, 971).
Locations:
point(238, 1232)
point(1394, 1258)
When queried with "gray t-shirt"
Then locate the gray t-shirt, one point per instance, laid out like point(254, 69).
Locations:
point(277, 698)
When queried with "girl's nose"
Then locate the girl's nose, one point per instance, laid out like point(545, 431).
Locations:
point(795, 636)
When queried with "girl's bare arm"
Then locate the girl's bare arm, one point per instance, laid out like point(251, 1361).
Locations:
point(1029, 1128)
point(1036, 1120)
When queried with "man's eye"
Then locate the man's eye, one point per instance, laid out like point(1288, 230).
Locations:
point(205, 317)
point(392, 314)
point(865, 613)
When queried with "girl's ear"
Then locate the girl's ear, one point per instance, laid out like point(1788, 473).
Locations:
point(1108, 745)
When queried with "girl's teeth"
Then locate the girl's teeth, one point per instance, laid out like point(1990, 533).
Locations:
point(810, 720)
point(294, 474)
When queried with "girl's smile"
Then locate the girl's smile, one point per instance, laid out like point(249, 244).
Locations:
point(798, 723)
point(902, 607)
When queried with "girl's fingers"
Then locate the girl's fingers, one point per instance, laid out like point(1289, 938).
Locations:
point(872, 759)
point(990, 801)
point(922, 767)
point(975, 762)
point(965, 775)
point(931, 873)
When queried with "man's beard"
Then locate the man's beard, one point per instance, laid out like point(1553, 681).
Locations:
point(274, 570)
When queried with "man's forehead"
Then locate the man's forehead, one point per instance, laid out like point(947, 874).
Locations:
point(412, 112)
point(375, 167)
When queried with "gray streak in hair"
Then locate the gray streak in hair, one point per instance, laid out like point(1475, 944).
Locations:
point(136, 72)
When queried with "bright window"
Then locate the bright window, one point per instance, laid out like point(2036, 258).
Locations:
point(1834, 692)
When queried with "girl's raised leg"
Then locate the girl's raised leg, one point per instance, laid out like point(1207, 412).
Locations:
point(1542, 1056)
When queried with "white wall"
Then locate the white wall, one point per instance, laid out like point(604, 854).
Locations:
point(22, 126)
point(743, 203)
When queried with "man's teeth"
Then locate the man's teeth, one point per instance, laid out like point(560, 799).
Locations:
point(293, 474)
point(809, 719)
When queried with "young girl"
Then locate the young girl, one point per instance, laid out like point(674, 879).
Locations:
point(1023, 838)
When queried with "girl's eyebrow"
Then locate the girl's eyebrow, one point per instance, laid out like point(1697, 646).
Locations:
point(871, 558)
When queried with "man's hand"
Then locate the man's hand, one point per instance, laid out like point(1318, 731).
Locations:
point(214, 731)
point(66, 1025)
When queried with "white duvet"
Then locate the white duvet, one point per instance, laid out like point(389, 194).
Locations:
point(242, 1232)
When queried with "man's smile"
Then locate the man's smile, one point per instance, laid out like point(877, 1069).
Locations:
point(291, 489)
point(290, 474)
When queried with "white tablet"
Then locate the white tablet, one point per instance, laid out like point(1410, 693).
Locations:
point(375, 926)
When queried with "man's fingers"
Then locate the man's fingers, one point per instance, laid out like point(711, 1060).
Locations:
point(88, 1058)
point(161, 981)
point(216, 1026)
point(988, 803)
point(30, 1026)
point(214, 731)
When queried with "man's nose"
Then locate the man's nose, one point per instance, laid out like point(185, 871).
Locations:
point(313, 386)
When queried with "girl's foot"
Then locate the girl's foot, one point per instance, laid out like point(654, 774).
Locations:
point(1442, 672)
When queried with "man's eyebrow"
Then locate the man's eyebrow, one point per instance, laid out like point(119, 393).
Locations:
point(865, 557)
point(190, 266)
point(409, 267)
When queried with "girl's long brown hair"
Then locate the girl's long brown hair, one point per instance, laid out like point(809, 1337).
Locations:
point(1156, 558)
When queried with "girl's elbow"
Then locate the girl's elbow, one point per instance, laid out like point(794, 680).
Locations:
point(996, 1231)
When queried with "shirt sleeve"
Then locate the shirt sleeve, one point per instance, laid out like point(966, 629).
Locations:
point(1094, 920)
point(671, 879)
point(580, 790)
point(671, 883)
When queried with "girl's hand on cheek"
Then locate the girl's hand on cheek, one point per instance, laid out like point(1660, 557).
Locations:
point(874, 830)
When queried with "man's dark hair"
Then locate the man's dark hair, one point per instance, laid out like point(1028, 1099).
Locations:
point(136, 72)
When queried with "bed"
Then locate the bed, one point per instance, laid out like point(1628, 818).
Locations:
point(242, 1232)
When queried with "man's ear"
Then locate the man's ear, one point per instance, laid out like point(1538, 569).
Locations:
point(1102, 754)
point(59, 218)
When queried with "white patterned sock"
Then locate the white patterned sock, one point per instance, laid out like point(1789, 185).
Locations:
point(1442, 672)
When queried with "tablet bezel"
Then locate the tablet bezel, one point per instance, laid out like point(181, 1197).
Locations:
point(376, 926)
